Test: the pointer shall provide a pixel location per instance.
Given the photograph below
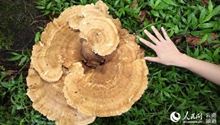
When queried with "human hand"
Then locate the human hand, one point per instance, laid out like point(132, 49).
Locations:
point(167, 52)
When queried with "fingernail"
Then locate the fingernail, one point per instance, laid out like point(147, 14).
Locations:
point(140, 38)
point(146, 58)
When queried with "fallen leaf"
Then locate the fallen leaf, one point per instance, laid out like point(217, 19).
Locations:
point(141, 13)
point(192, 40)
point(205, 2)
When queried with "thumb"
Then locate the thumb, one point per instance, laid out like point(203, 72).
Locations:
point(152, 59)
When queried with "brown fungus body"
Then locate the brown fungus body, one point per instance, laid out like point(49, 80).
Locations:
point(85, 65)
point(48, 99)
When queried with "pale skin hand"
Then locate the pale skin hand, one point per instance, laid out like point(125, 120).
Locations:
point(168, 54)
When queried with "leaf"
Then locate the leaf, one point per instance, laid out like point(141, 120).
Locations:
point(15, 58)
point(14, 53)
point(137, 10)
point(188, 51)
point(182, 105)
point(155, 13)
point(171, 25)
point(37, 37)
point(196, 53)
point(151, 3)
point(192, 40)
point(46, 12)
point(58, 1)
point(216, 10)
point(206, 25)
point(176, 20)
point(194, 21)
point(4, 84)
point(184, 20)
point(166, 94)
point(170, 2)
point(176, 29)
point(189, 18)
point(23, 59)
point(49, 6)
point(210, 6)
point(116, 3)
point(157, 3)
point(40, 7)
point(216, 52)
point(204, 38)
point(181, 1)
point(202, 15)
point(208, 18)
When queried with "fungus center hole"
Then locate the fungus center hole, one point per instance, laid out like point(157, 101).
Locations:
point(92, 60)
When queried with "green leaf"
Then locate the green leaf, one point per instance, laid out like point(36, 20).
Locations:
point(184, 20)
point(23, 59)
point(151, 3)
point(189, 18)
point(176, 29)
point(216, 10)
point(202, 15)
point(170, 2)
point(155, 13)
point(37, 37)
point(166, 94)
point(46, 12)
point(40, 7)
point(210, 6)
point(206, 25)
point(176, 20)
point(181, 1)
point(196, 53)
point(216, 52)
point(15, 58)
point(137, 10)
point(207, 18)
point(58, 1)
point(204, 38)
point(49, 6)
point(182, 105)
point(194, 21)
point(157, 3)
point(171, 25)
point(14, 53)
point(188, 51)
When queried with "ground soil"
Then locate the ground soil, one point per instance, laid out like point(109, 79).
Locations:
point(19, 22)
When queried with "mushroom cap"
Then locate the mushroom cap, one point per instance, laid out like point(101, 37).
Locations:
point(49, 100)
point(100, 33)
point(87, 65)
point(110, 89)
point(57, 48)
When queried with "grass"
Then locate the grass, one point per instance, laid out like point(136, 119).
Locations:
point(170, 88)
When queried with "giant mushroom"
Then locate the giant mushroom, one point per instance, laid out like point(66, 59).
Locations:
point(86, 65)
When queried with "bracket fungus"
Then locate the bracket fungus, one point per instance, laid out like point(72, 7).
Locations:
point(86, 65)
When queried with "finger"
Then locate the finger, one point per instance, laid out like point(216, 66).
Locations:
point(159, 36)
point(152, 59)
point(154, 39)
point(147, 43)
point(165, 34)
